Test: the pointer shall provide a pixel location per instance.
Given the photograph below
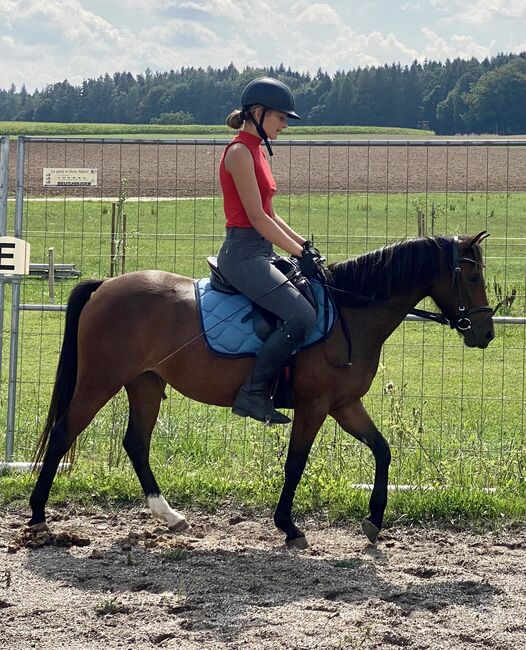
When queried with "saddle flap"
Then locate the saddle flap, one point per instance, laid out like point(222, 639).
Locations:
point(228, 331)
point(265, 322)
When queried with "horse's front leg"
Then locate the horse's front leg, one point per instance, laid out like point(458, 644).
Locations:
point(354, 419)
point(306, 424)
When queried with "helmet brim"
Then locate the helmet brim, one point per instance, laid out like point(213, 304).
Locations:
point(292, 114)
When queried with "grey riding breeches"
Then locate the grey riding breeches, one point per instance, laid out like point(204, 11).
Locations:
point(245, 260)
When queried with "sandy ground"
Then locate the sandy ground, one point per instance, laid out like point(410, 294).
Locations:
point(114, 579)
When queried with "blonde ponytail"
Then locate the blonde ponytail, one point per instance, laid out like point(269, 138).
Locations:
point(235, 120)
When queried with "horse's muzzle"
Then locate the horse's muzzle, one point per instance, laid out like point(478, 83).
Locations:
point(479, 337)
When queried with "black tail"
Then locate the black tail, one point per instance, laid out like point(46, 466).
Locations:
point(66, 377)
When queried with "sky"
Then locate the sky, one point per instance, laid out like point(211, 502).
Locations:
point(46, 41)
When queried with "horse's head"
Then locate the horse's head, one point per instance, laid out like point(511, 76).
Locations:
point(461, 293)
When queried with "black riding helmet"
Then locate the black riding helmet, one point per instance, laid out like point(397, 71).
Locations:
point(269, 93)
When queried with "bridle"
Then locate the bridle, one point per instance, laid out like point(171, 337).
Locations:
point(463, 323)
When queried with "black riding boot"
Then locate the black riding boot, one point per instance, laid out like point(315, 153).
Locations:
point(254, 399)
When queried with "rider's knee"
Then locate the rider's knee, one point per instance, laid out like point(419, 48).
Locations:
point(298, 327)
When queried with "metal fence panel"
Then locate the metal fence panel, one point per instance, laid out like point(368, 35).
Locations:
point(4, 180)
point(449, 413)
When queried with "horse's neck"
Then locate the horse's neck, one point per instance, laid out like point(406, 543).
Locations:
point(378, 321)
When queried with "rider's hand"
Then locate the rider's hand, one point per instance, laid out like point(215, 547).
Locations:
point(310, 261)
point(309, 246)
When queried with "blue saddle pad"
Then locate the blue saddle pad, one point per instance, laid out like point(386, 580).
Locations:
point(225, 332)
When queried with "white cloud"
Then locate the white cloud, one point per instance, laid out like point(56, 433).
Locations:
point(8, 42)
point(513, 9)
point(50, 21)
point(43, 44)
point(44, 41)
point(472, 12)
point(482, 12)
point(318, 14)
point(438, 48)
point(350, 49)
point(224, 8)
point(176, 31)
point(446, 5)
point(7, 7)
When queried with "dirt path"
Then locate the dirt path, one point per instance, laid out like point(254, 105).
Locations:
point(231, 584)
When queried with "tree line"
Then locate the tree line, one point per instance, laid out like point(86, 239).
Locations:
point(458, 96)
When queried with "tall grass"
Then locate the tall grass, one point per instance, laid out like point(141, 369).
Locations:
point(454, 417)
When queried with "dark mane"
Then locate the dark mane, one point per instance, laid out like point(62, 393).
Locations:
point(376, 275)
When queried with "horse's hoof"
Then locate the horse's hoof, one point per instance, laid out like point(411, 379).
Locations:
point(180, 526)
point(38, 528)
point(300, 543)
point(371, 531)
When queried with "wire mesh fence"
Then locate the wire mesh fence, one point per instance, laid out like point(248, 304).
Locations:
point(453, 416)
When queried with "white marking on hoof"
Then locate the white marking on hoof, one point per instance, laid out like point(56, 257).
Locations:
point(161, 510)
point(371, 531)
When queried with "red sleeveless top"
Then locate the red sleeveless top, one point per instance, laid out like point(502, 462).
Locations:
point(233, 207)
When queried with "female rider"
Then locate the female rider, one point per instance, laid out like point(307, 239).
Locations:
point(252, 228)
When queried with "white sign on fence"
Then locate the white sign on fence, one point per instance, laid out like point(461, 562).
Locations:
point(14, 256)
point(69, 177)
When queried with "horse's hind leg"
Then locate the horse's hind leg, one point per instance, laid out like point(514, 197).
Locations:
point(59, 443)
point(82, 409)
point(145, 394)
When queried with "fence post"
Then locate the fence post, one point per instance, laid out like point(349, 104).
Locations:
point(51, 273)
point(4, 188)
point(15, 311)
point(4, 176)
point(113, 248)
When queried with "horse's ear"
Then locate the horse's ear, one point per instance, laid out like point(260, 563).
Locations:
point(478, 239)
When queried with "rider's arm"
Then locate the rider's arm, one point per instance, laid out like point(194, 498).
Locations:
point(239, 162)
point(285, 226)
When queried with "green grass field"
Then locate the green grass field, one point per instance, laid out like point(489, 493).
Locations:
point(454, 416)
point(156, 131)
